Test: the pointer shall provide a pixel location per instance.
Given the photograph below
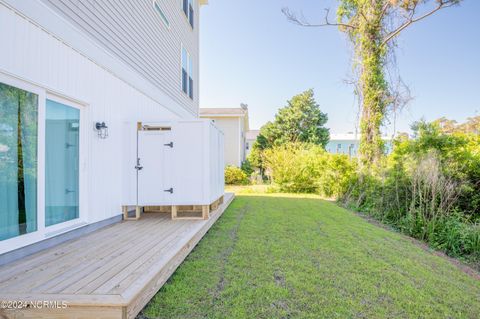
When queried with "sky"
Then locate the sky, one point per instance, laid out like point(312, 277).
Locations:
point(250, 53)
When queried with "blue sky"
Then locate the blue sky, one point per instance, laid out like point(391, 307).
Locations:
point(250, 53)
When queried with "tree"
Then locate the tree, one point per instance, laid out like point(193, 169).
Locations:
point(372, 26)
point(446, 125)
point(301, 120)
point(472, 125)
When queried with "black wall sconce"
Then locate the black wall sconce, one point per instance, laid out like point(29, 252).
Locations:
point(102, 130)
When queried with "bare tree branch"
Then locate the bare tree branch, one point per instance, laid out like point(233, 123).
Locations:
point(301, 21)
point(411, 19)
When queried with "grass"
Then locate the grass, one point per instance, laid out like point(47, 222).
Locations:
point(297, 256)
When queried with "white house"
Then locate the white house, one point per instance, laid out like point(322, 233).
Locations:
point(234, 124)
point(72, 73)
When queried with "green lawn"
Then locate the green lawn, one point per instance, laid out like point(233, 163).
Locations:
point(287, 256)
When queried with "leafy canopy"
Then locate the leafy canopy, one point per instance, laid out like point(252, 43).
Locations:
point(372, 27)
point(301, 120)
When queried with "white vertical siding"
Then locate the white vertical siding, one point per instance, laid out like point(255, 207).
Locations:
point(230, 126)
point(32, 55)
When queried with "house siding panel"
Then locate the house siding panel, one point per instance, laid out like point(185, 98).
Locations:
point(135, 33)
point(39, 58)
point(230, 126)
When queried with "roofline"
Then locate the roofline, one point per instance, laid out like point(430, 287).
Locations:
point(222, 115)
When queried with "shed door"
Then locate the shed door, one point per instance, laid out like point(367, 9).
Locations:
point(154, 178)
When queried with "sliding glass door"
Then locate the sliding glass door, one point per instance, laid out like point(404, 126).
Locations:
point(39, 163)
point(18, 161)
point(62, 151)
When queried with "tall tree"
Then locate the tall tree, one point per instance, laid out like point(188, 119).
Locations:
point(301, 120)
point(372, 26)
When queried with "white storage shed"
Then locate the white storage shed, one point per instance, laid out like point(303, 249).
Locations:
point(173, 165)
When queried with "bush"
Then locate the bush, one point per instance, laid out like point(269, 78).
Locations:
point(235, 176)
point(428, 188)
point(308, 168)
point(247, 167)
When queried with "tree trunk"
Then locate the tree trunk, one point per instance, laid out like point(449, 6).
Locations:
point(371, 53)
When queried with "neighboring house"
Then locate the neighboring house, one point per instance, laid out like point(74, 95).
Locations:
point(251, 138)
point(234, 124)
point(71, 73)
point(348, 144)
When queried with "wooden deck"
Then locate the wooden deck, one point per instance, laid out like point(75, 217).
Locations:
point(111, 273)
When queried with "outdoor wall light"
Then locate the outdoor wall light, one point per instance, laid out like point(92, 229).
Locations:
point(102, 130)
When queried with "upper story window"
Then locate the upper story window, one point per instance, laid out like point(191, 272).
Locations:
point(188, 6)
point(187, 73)
point(161, 13)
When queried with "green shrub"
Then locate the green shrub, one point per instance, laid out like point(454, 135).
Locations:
point(428, 188)
point(308, 168)
point(459, 156)
point(235, 176)
point(247, 167)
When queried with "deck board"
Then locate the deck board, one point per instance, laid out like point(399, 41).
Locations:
point(112, 262)
point(117, 268)
point(65, 266)
point(94, 240)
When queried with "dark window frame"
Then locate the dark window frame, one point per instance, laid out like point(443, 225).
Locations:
point(184, 81)
point(185, 7)
point(189, 11)
point(191, 15)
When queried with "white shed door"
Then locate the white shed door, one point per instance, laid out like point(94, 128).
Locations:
point(155, 157)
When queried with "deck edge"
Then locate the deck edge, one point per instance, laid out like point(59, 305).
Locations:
point(138, 298)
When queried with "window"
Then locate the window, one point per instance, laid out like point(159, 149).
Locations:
point(190, 13)
point(187, 73)
point(161, 13)
point(18, 161)
point(184, 70)
point(187, 6)
point(62, 151)
point(190, 77)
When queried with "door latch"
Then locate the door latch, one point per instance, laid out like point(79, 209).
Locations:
point(170, 190)
point(169, 144)
point(138, 167)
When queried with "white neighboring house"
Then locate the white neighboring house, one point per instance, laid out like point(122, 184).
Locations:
point(251, 138)
point(234, 124)
point(71, 74)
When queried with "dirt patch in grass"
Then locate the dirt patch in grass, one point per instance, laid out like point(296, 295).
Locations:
point(227, 252)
